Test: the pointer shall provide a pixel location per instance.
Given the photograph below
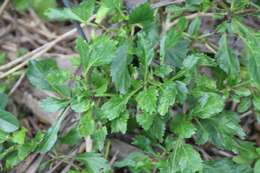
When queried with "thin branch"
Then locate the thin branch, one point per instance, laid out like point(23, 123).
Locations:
point(4, 5)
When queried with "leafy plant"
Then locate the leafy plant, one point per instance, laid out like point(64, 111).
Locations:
point(147, 77)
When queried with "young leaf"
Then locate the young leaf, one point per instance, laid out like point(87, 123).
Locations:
point(119, 70)
point(194, 26)
point(19, 136)
point(78, 13)
point(94, 162)
point(167, 97)
point(120, 124)
point(145, 120)
point(142, 14)
point(226, 58)
point(8, 122)
point(147, 100)
point(113, 108)
point(87, 124)
point(100, 51)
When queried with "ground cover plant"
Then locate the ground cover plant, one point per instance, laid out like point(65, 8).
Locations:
point(146, 87)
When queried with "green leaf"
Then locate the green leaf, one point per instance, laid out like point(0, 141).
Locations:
point(182, 127)
point(145, 48)
point(142, 15)
point(185, 159)
point(137, 162)
point(157, 129)
point(244, 105)
point(182, 91)
point(194, 27)
point(79, 13)
point(3, 100)
point(225, 165)
point(40, 6)
point(162, 70)
point(21, 5)
point(19, 136)
point(257, 166)
point(99, 52)
point(80, 104)
point(120, 124)
point(226, 58)
point(110, 7)
point(99, 138)
point(256, 102)
point(51, 136)
point(8, 122)
point(250, 39)
point(145, 120)
point(119, 70)
point(94, 162)
point(167, 97)
point(219, 130)
point(147, 100)
point(38, 71)
point(87, 124)
point(209, 105)
point(52, 104)
point(113, 107)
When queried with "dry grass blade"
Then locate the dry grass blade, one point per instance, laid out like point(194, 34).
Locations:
point(34, 54)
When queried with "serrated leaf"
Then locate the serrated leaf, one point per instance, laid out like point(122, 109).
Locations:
point(182, 127)
point(220, 130)
point(8, 122)
point(38, 71)
point(157, 129)
point(119, 70)
point(80, 104)
point(113, 107)
point(87, 124)
point(78, 13)
point(185, 159)
point(147, 100)
point(145, 120)
point(94, 162)
point(99, 138)
point(51, 104)
point(142, 14)
point(209, 104)
point(163, 70)
point(226, 58)
point(182, 91)
point(225, 165)
point(167, 97)
point(99, 52)
point(120, 124)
